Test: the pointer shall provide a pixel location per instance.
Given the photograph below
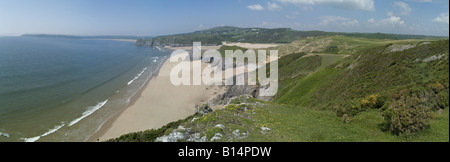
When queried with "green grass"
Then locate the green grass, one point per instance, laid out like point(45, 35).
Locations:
point(301, 91)
point(329, 59)
point(290, 123)
point(339, 44)
point(374, 72)
point(224, 48)
point(316, 90)
point(298, 124)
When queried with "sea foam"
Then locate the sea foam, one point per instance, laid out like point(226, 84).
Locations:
point(137, 76)
point(50, 131)
point(88, 112)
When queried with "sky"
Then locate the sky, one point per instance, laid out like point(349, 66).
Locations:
point(164, 17)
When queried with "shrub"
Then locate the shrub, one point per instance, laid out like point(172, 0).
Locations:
point(406, 115)
point(332, 49)
point(357, 106)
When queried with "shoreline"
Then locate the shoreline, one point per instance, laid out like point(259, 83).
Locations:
point(118, 120)
point(153, 105)
point(108, 123)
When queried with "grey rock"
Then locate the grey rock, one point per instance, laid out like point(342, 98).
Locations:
point(196, 138)
point(204, 109)
point(216, 137)
point(432, 58)
point(4, 135)
point(220, 126)
point(172, 137)
point(239, 135)
point(237, 132)
point(424, 43)
point(179, 134)
point(235, 91)
point(396, 47)
point(265, 129)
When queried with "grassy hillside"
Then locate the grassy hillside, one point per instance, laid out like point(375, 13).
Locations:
point(224, 48)
point(218, 35)
point(339, 44)
point(373, 90)
point(412, 83)
point(288, 123)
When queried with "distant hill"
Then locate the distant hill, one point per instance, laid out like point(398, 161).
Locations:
point(217, 35)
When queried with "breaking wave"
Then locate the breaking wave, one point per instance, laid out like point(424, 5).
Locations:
point(137, 76)
point(50, 131)
point(88, 112)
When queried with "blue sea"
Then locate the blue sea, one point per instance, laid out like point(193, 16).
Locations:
point(55, 89)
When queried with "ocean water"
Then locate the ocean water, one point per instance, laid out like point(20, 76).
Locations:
point(54, 89)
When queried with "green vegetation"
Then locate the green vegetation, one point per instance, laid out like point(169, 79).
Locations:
point(400, 85)
point(224, 48)
point(361, 90)
point(216, 36)
point(339, 44)
point(151, 135)
point(407, 115)
point(290, 123)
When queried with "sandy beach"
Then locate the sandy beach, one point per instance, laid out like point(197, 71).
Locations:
point(160, 102)
point(157, 104)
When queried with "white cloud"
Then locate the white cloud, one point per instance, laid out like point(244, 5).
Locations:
point(325, 20)
point(256, 7)
point(443, 18)
point(350, 23)
point(403, 8)
point(422, 1)
point(367, 5)
point(306, 8)
point(290, 17)
point(273, 6)
point(390, 13)
point(337, 20)
point(333, 18)
point(393, 20)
